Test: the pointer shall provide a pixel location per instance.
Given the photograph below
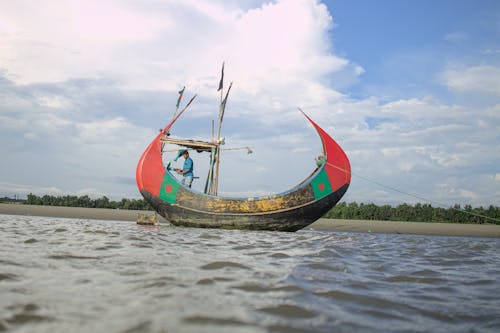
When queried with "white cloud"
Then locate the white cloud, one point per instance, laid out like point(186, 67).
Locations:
point(483, 79)
point(283, 41)
point(359, 70)
point(425, 144)
point(53, 101)
point(100, 22)
point(58, 40)
point(455, 37)
point(94, 132)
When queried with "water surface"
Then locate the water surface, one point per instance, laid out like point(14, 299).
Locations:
point(72, 275)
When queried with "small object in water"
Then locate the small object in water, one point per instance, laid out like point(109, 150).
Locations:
point(147, 219)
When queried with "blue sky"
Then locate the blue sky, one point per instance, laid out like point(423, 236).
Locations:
point(410, 90)
point(401, 42)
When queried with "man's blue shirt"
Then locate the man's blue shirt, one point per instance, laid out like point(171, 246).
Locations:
point(188, 164)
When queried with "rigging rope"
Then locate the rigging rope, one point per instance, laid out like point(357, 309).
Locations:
point(412, 195)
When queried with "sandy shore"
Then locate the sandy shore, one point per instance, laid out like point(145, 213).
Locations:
point(417, 228)
point(389, 227)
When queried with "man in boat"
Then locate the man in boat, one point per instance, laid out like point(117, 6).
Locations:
point(187, 169)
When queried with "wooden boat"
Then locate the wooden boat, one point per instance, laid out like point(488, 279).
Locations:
point(287, 211)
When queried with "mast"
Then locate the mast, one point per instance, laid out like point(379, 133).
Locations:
point(215, 173)
point(222, 109)
point(208, 182)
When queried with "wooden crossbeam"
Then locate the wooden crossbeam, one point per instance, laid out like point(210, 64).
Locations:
point(190, 143)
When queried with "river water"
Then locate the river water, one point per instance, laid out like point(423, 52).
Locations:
point(73, 275)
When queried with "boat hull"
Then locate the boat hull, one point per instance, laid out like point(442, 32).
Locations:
point(292, 219)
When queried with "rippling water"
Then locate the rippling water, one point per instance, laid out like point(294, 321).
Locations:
point(70, 275)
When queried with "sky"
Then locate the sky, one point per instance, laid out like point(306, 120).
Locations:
point(409, 89)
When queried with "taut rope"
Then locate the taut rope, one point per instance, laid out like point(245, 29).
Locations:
point(411, 195)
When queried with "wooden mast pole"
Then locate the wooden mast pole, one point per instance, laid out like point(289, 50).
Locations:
point(215, 174)
point(208, 183)
point(213, 187)
point(217, 155)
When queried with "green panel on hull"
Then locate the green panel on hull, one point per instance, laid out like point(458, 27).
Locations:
point(169, 188)
point(321, 185)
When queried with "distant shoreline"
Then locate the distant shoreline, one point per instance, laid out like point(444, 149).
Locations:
point(388, 227)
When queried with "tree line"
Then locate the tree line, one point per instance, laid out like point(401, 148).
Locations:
point(350, 211)
point(416, 213)
point(86, 201)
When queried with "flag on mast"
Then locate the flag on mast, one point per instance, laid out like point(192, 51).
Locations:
point(181, 92)
point(224, 101)
point(221, 82)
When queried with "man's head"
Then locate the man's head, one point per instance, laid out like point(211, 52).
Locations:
point(185, 153)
